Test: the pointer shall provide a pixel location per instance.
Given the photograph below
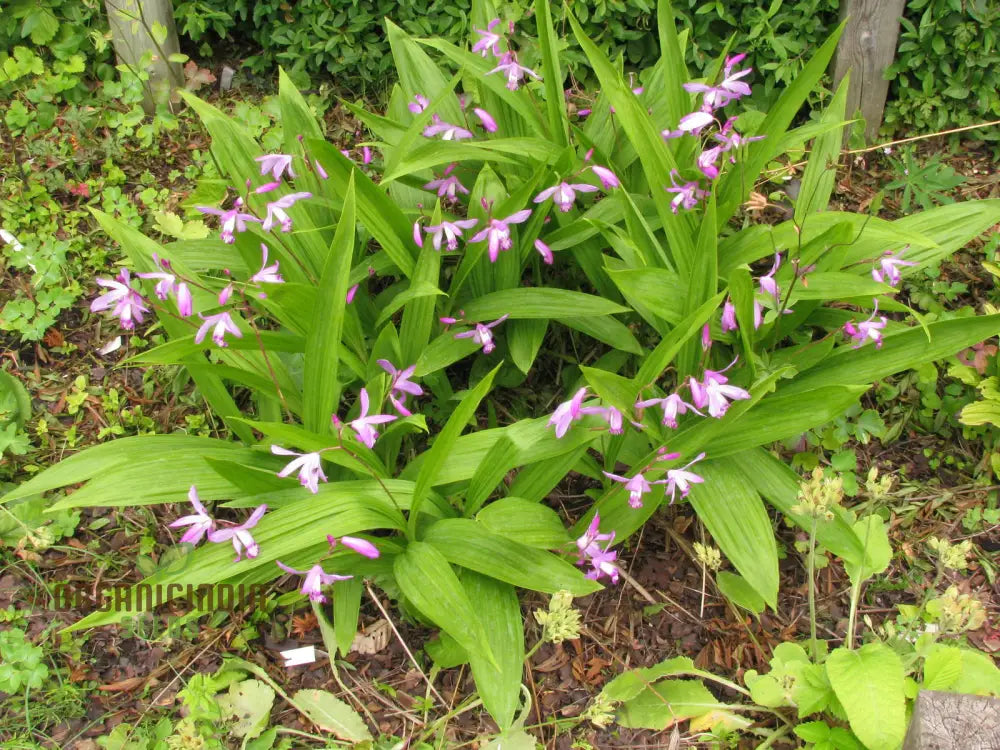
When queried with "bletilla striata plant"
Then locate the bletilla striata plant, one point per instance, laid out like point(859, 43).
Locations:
point(361, 310)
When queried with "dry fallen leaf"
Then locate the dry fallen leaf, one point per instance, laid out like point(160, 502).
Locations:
point(372, 639)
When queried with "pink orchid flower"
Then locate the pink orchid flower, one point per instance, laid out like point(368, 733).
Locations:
point(127, 303)
point(568, 412)
point(489, 41)
point(602, 561)
point(513, 70)
point(276, 164)
point(564, 194)
point(636, 486)
point(449, 231)
point(357, 544)
point(497, 233)
point(682, 479)
point(446, 130)
point(400, 385)
point(315, 579)
point(309, 466)
point(447, 185)
point(362, 426)
point(482, 334)
point(489, 124)
point(686, 195)
point(220, 324)
point(276, 211)
point(672, 406)
point(240, 535)
point(200, 522)
point(231, 221)
point(867, 329)
point(268, 274)
point(890, 264)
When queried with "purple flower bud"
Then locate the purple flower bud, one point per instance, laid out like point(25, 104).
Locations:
point(489, 124)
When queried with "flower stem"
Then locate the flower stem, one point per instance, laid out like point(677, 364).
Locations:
point(811, 563)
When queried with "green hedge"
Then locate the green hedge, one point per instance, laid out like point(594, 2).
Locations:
point(946, 74)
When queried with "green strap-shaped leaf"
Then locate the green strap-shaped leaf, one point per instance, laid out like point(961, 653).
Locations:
point(470, 544)
point(380, 215)
point(539, 303)
point(320, 386)
point(555, 100)
point(821, 170)
point(736, 518)
point(499, 686)
point(657, 161)
point(440, 451)
point(736, 182)
point(428, 582)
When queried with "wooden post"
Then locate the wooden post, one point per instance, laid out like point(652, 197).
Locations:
point(949, 721)
point(140, 26)
point(867, 48)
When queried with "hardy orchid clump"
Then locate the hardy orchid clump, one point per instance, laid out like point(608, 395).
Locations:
point(411, 342)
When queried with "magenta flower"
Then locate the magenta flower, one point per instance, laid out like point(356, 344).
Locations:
point(636, 486)
point(362, 426)
point(357, 544)
point(366, 155)
point(276, 164)
point(514, 71)
point(267, 187)
point(447, 185)
point(489, 41)
point(351, 292)
point(715, 393)
point(482, 334)
point(682, 479)
point(692, 123)
point(308, 465)
point(706, 337)
point(450, 231)
point(315, 579)
point(707, 160)
point(319, 169)
point(602, 561)
point(889, 271)
point(867, 329)
point(268, 274)
point(564, 194)
point(610, 414)
point(231, 221)
point(400, 385)
point(446, 130)
point(497, 233)
point(489, 124)
point(220, 324)
point(731, 140)
point(127, 302)
point(729, 317)
point(568, 412)
point(672, 406)
point(240, 535)
point(545, 251)
point(729, 89)
point(606, 176)
point(767, 284)
point(276, 211)
point(200, 522)
point(687, 195)
point(418, 105)
point(168, 285)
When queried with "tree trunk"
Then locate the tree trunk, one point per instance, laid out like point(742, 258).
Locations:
point(141, 26)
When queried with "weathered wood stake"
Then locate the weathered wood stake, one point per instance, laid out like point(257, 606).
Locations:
point(140, 26)
point(867, 48)
point(950, 721)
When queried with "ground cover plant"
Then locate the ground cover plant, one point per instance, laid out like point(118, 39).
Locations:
point(362, 310)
